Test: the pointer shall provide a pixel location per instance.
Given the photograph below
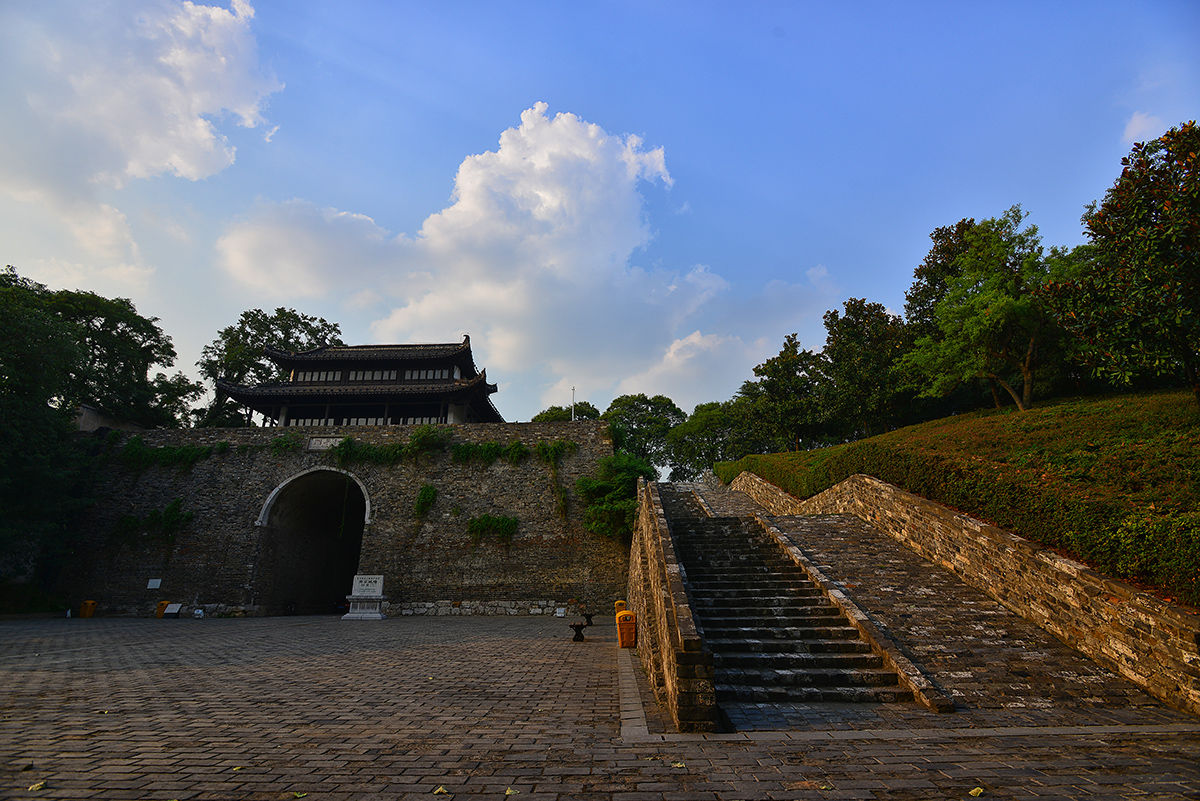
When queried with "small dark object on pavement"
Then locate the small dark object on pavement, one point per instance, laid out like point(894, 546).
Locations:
point(579, 627)
point(588, 617)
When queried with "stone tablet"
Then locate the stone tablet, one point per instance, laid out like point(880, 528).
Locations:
point(367, 585)
point(153, 584)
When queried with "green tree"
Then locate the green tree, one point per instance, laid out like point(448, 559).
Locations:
point(932, 276)
point(1135, 304)
point(39, 354)
point(862, 347)
point(786, 398)
point(117, 350)
point(700, 441)
point(610, 496)
point(992, 321)
point(238, 355)
point(641, 425)
point(559, 414)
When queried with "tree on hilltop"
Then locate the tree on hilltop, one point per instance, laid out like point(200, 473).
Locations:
point(992, 323)
point(862, 347)
point(1134, 306)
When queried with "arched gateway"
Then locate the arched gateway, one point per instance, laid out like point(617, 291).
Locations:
point(311, 534)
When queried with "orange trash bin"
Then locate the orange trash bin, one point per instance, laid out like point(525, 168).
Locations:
point(619, 607)
point(626, 629)
point(87, 609)
point(162, 607)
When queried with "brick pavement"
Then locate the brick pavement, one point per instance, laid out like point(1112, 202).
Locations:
point(271, 709)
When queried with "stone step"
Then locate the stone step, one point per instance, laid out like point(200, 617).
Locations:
point(795, 660)
point(710, 605)
point(767, 595)
point(810, 677)
point(816, 646)
point(764, 694)
point(765, 618)
point(833, 632)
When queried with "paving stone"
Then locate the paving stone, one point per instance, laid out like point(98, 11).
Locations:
point(392, 710)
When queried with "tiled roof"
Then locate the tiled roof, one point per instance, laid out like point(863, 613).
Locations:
point(376, 353)
point(364, 389)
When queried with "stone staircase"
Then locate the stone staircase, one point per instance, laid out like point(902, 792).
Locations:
point(773, 634)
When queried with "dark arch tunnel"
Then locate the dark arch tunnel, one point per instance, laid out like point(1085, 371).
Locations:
point(311, 544)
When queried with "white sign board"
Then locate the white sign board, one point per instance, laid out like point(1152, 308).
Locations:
point(368, 585)
point(322, 443)
point(153, 584)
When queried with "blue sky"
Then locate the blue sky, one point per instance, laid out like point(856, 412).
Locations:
point(620, 197)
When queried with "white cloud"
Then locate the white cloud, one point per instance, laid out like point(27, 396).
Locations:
point(535, 258)
point(114, 92)
point(1141, 127)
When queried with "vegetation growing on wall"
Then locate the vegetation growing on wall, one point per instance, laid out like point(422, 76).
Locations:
point(486, 453)
point(286, 443)
point(137, 455)
point(156, 526)
point(610, 497)
point(425, 498)
point(552, 454)
point(502, 528)
point(1112, 481)
point(423, 440)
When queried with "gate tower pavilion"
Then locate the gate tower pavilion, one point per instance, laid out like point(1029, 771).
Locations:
point(368, 385)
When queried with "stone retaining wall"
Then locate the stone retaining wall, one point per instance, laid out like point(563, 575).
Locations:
point(223, 558)
point(1149, 641)
point(679, 668)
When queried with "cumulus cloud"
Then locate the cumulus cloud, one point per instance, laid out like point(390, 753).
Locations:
point(114, 92)
point(535, 256)
point(1142, 126)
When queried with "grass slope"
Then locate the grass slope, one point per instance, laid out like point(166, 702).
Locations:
point(1113, 482)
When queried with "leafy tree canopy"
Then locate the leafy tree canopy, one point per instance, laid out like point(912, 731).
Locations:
point(933, 274)
point(610, 496)
point(238, 354)
point(559, 414)
point(786, 397)
point(862, 346)
point(641, 424)
point(1135, 304)
point(697, 443)
point(992, 321)
point(117, 349)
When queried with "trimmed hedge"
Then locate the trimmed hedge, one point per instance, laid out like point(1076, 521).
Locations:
point(1124, 534)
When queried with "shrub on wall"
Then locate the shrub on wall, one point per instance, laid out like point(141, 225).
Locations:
point(137, 455)
point(501, 527)
point(423, 440)
point(610, 497)
point(552, 453)
point(425, 498)
point(486, 453)
point(157, 525)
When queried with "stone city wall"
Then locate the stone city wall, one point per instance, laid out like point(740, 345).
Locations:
point(672, 652)
point(1149, 641)
point(239, 550)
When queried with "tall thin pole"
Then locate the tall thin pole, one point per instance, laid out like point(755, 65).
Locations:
point(572, 404)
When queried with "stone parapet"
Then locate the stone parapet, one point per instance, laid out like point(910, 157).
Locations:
point(1151, 642)
point(680, 669)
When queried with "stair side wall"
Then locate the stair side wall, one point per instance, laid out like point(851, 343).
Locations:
point(1152, 643)
point(668, 645)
